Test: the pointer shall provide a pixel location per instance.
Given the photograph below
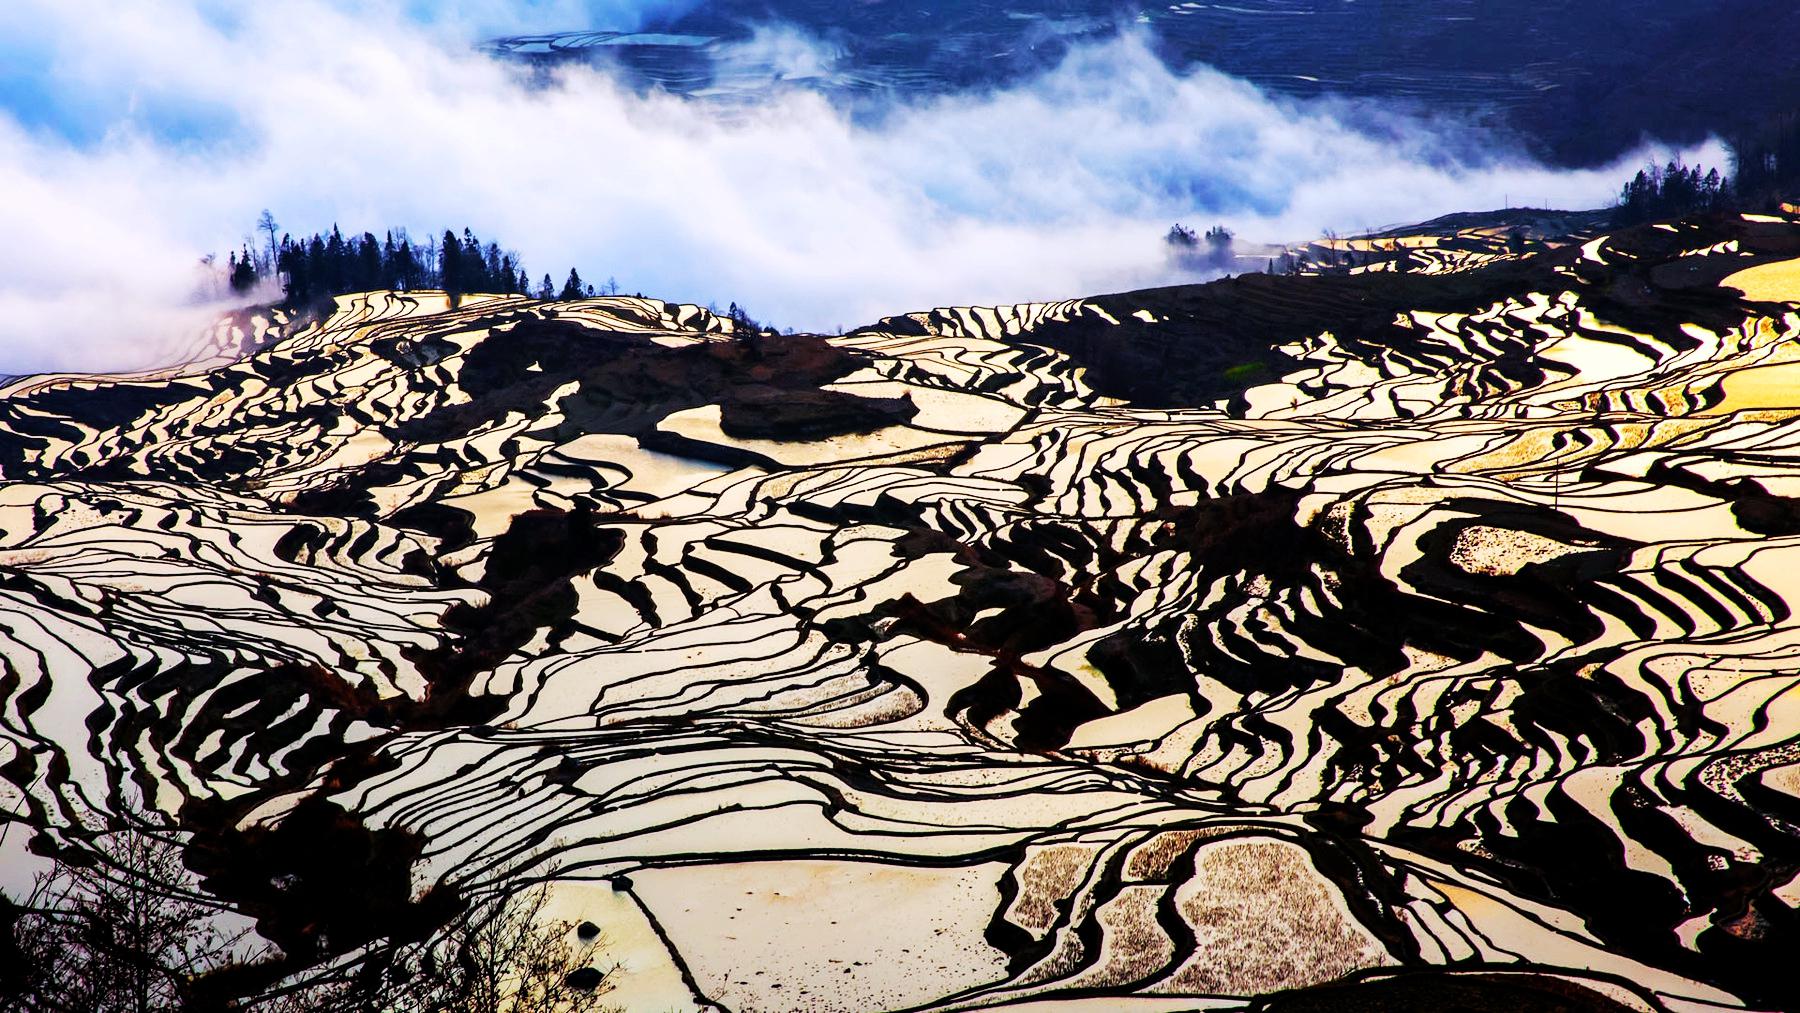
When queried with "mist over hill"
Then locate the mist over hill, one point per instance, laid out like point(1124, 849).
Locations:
point(1578, 83)
point(818, 199)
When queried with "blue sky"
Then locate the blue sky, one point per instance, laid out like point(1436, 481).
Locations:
point(48, 82)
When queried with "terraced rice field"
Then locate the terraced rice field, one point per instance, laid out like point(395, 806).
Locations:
point(1424, 634)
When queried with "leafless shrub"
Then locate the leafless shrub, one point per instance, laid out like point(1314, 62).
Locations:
point(117, 929)
point(123, 928)
point(502, 958)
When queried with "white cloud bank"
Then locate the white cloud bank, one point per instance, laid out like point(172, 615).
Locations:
point(339, 111)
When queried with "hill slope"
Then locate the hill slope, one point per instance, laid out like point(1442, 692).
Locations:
point(1213, 641)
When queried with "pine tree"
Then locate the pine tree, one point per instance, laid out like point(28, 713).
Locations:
point(497, 273)
point(368, 264)
point(291, 262)
point(407, 266)
point(474, 268)
point(1669, 191)
point(242, 272)
point(450, 265)
point(318, 279)
point(390, 263)
point(331, 264)
point(337, 258)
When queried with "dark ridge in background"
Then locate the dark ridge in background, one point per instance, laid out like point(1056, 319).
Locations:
point(1578, 82)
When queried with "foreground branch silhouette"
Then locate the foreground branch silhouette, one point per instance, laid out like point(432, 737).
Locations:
point(123, 928)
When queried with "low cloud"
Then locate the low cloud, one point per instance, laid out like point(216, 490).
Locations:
point(361, 114)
